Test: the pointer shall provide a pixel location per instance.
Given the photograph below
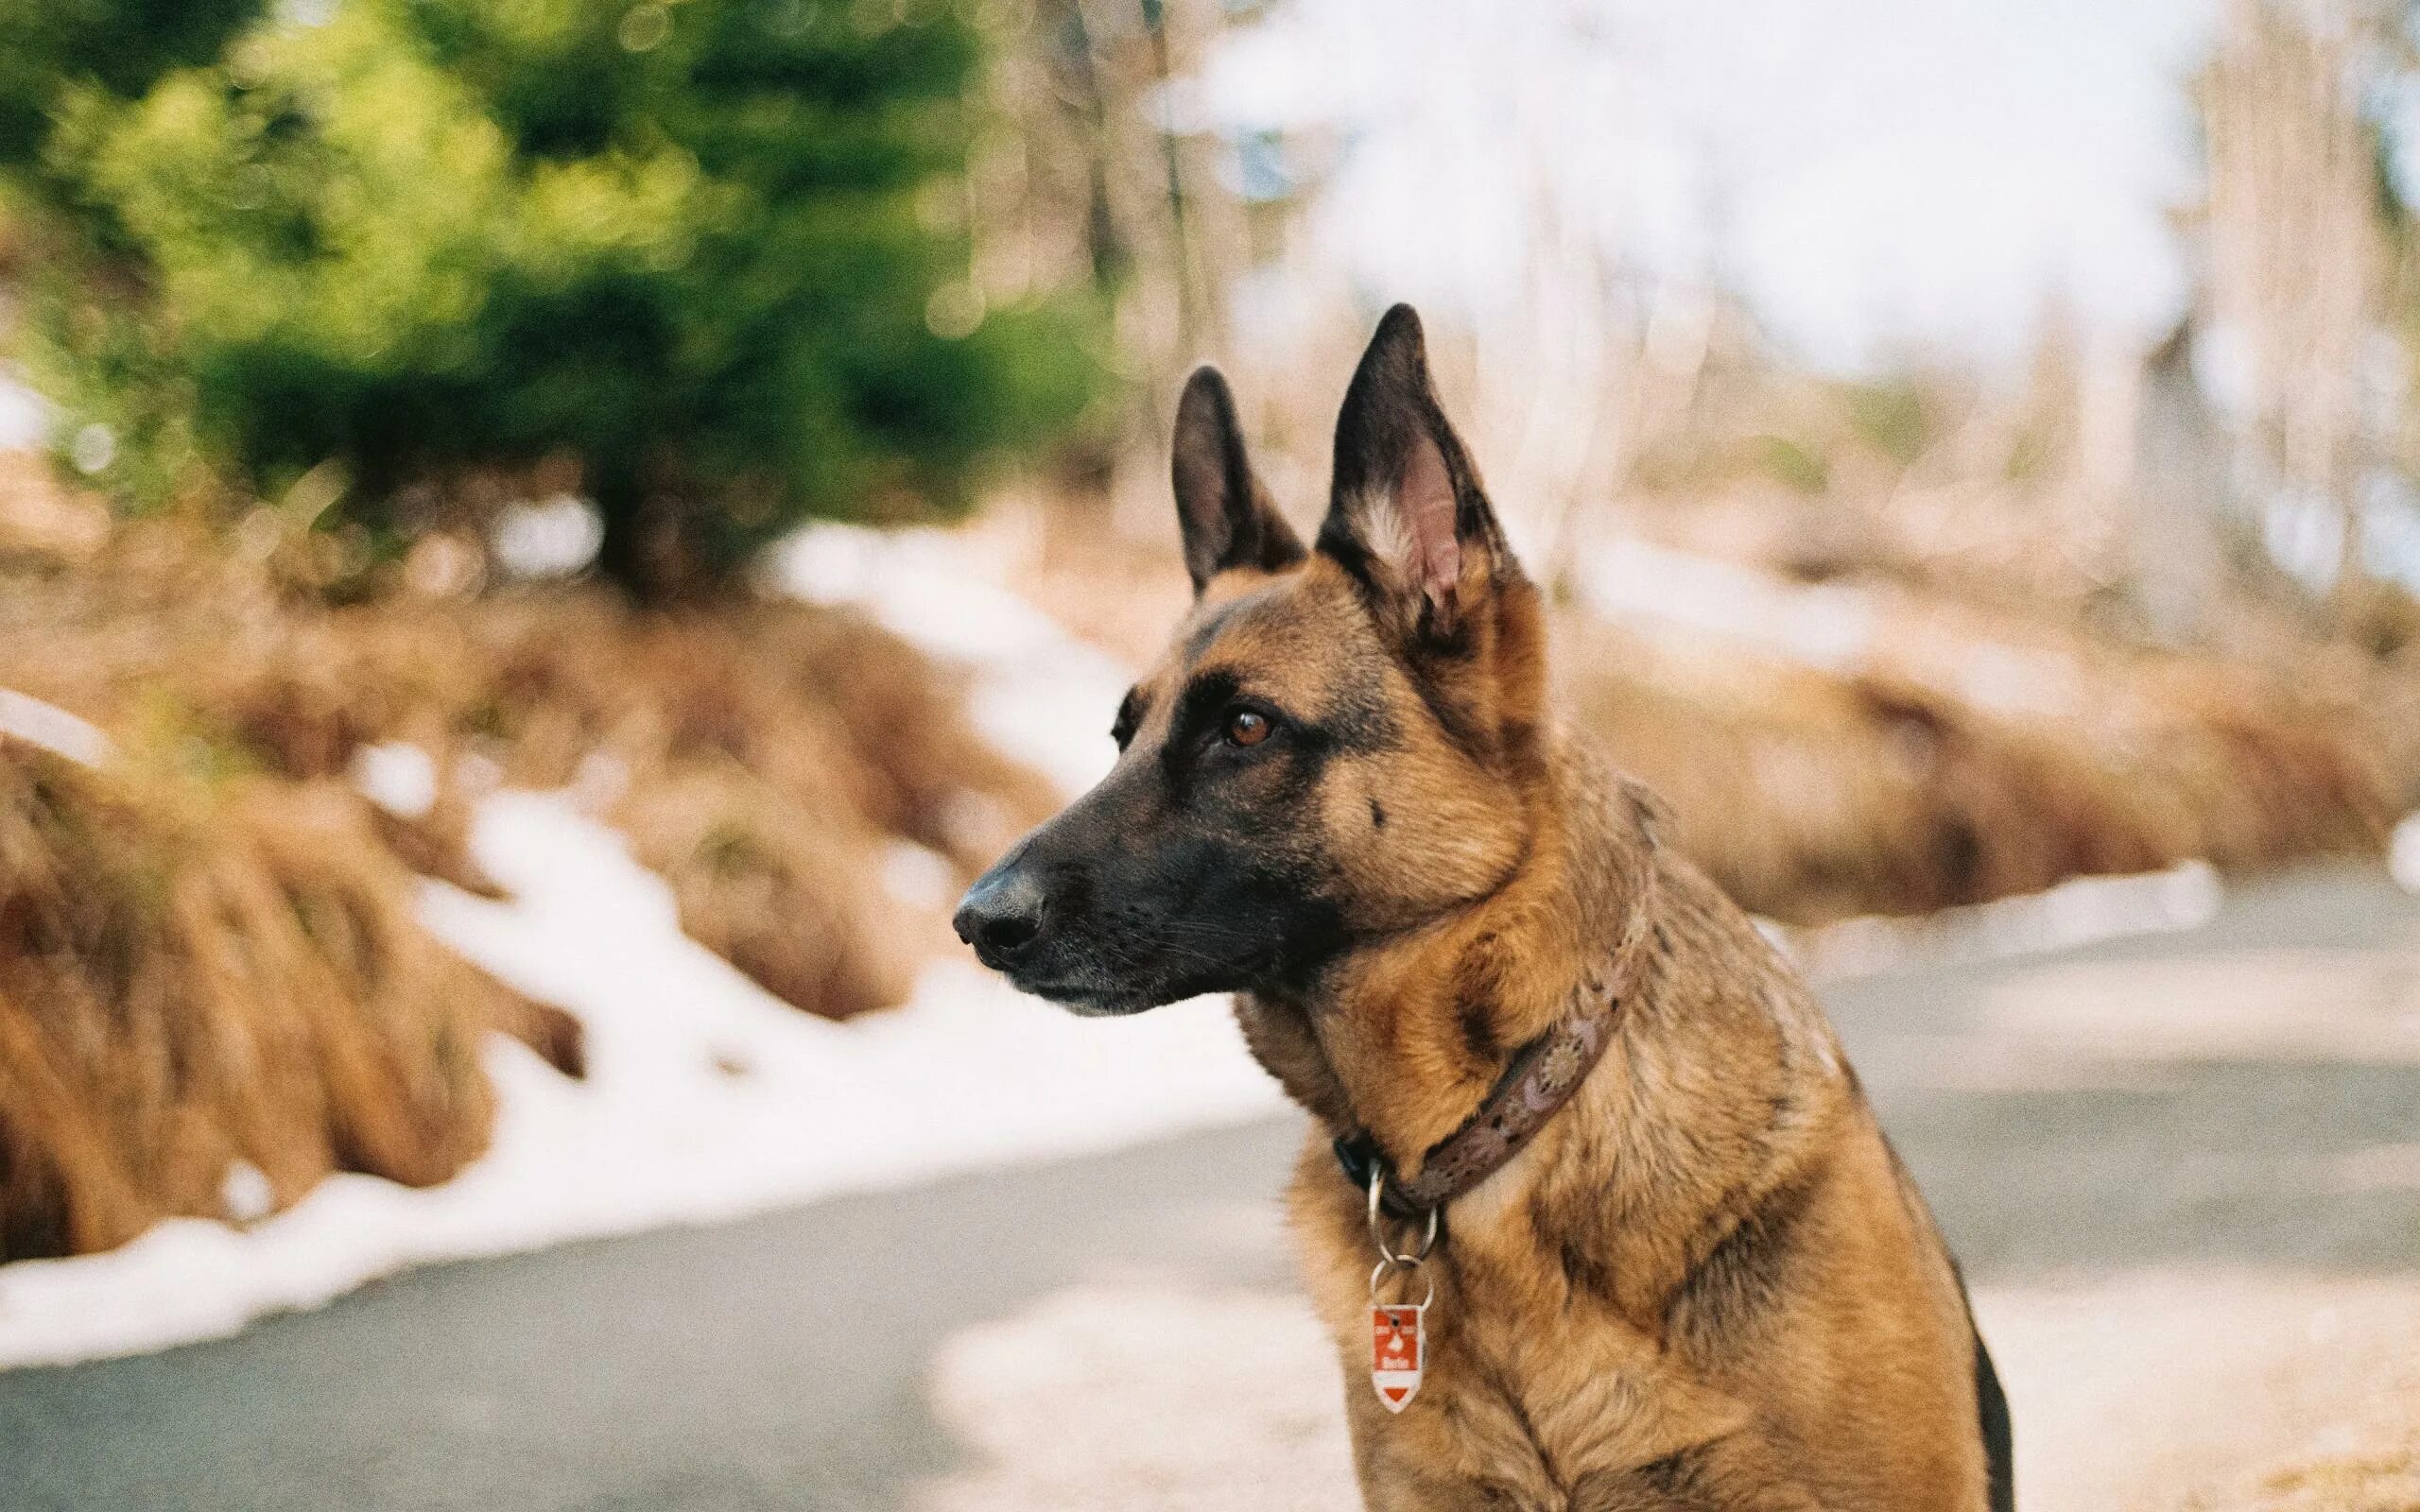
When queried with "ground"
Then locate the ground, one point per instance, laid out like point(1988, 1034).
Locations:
point(2183, 1173)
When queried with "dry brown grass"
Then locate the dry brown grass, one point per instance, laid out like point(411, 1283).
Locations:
point(2385, 1481)
point(40, 520)
point(193, 974)
point(764, 758)
point(783, 891)
point(207, 948)
point(1813, 794)
point(205, 954)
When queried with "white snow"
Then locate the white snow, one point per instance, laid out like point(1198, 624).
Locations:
point(2077, 912)
point(2403, 857)
point(25, 416)
point(52, 728)
point(1034, 683)
point(1822, 626)
point(399, 777)
point(554, 537)
point(705, 1100)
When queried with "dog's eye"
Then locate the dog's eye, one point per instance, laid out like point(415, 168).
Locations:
point(1247, 728)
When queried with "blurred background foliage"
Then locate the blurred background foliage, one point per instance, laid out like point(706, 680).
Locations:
point(709, 258)
point(1967, 446)
point(420, 381)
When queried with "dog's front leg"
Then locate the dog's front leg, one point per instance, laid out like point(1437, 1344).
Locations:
point(1735, 1474)
point(1394, 1484)
point(1447, 1453)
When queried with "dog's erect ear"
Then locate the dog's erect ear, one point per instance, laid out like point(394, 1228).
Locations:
point(1408, 516)
point(1226, 517)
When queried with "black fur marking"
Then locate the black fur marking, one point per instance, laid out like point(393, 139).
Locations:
point(1991, 1407)
point(1466, 734)
point(1582, 1273)
point(1389, 408)
point(1337, 543)
point(1477, 1018)
point(1377, 813)
point(1225, 518)
point(1316, 940)
point(1361, 721)
point(1746, 1274)
point(1211, 628)
point(2000, 1453)
point(1203, 700)
point(1675, 1474)
point(1301, 772)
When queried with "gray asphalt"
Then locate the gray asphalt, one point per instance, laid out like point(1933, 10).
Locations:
point(782, 1363)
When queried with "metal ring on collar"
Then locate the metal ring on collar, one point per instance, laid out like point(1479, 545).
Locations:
point(1378, 1273)
point(1379, 1225)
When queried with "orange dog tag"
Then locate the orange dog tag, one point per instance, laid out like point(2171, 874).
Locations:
point(1397, 1355)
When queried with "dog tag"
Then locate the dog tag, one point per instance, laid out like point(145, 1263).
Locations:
point(1397, 1354)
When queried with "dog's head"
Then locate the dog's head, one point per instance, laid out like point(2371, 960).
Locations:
point(1336, 746)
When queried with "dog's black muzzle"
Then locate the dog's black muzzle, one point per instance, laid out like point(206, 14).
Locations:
point(1003, 914)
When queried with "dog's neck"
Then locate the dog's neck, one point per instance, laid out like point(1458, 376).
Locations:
point(1404, 1041)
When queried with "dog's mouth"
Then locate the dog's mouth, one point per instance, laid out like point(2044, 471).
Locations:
point(1107, 949)
point(1075, 985)
point(1085, 997)
point(1084, 1004)
point(1100, 974)
point(1100, 979)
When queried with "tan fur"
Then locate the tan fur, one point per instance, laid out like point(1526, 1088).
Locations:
point(1707, 1284)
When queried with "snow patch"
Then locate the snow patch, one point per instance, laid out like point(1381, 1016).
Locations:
point(967, 1075)
point(1825, 626)
point(26, 417)
point(29, 719)
point(1829, 628)
point(2078, 911)
point(2403, 855)
point(400, 779)
point(1034, 683)
point(706, 1099)
point(551, 539)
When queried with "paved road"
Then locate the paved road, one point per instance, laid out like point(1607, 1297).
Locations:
point(2246, 1096)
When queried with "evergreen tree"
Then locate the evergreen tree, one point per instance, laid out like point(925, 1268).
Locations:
point(707, 248)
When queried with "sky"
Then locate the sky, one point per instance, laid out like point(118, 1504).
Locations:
point(1876, 176)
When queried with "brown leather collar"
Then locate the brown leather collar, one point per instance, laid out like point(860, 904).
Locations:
point(1539, 1080)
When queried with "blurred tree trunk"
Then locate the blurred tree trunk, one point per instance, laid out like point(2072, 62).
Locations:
point(1114, 176)
point(2295, 251)
point(2180, 483)
point(653, 546)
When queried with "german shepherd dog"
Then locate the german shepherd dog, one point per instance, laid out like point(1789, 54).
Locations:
point(1689, 1273)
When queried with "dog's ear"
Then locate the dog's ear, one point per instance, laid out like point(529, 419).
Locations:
point(1406, 516)
point(1220, 506)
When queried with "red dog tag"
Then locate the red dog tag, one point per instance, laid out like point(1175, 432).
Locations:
point(1397, 1355)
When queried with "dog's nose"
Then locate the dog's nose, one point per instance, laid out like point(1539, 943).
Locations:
point(1001, 916)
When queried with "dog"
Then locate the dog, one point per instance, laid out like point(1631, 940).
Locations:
point(1586, 1155)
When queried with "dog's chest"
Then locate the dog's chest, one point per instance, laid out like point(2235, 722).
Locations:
point(1544, 1402)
